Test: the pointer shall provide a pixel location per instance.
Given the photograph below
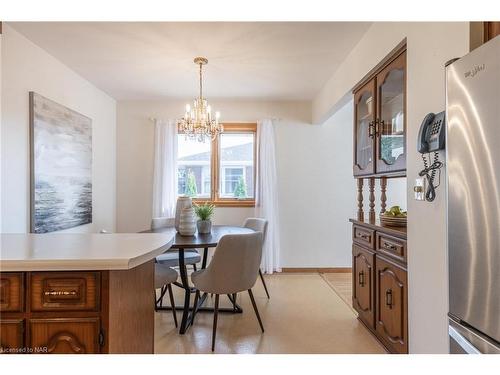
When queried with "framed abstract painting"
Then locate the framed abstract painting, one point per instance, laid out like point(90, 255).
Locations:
point(61, 166)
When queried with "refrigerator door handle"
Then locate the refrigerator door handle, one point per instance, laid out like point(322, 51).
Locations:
point(462, 341)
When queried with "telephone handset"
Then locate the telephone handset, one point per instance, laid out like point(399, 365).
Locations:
point(431, 138)
point(431, 133)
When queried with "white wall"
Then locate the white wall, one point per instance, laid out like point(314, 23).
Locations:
point(317, 191)
point(429, 46)
point(25, 67)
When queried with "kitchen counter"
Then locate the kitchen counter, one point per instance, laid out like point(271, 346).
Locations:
point(78, 293)
point(75, 251)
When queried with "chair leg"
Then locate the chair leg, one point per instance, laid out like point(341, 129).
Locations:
point(162, 294)
point(195, 306)
point(172, 303)
point(194, 267)
point(216, 310)
point(255, 309)
point(264, 283)
point(160, 299)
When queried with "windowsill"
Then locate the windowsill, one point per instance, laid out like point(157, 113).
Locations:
point(228, 203)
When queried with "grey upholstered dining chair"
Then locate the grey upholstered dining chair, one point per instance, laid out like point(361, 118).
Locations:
point(164, 277)
point(234, 268)
point(258, 225)
point(171, 257)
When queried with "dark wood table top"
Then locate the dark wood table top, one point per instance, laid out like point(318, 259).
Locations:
point(201, 240)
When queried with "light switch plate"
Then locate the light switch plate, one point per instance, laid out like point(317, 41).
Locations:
point(419, 189)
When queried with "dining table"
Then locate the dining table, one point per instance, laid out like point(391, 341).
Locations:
point(198, 241)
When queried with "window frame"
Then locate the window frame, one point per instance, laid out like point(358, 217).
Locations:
point(215, 167)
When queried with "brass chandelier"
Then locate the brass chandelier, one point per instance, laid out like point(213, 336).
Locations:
point(198, 121)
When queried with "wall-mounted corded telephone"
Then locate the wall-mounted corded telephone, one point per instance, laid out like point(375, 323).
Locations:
point(431, 138)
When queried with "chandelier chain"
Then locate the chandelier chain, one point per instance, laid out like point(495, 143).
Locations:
point(198, 122)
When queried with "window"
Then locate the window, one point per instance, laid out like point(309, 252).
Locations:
point(221, 171)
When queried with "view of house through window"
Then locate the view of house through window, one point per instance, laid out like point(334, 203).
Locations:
point(236, 165)
point(232, 155)
point(193, 167)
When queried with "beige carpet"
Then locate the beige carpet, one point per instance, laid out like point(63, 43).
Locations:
point(341, 283)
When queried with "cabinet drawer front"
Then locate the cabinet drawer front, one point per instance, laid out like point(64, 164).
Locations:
point(57, 291)
point(363, 236)
point(11, 292)
point(391, 246)
point(11, 336)
point(65, 335)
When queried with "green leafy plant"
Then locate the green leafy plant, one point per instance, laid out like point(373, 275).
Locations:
point(240, 191)
point(204, 211)
point(190, 189)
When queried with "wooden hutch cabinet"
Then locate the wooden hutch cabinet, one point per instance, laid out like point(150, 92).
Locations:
point(380, 119)
point(379, 255)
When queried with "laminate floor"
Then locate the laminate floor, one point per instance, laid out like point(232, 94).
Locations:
point(341, 283)
point(304, 315)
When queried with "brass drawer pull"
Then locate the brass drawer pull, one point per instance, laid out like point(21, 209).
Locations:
point(389, 246)
point(364, 236)
point(361, 278)
point(60, 293)
point(388, 298)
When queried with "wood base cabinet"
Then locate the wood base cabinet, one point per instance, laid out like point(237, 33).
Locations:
point(380, 286)
point(363, 298)
point(391, 305)
point(77, 312)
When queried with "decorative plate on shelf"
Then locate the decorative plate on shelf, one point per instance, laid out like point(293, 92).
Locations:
point(393, 221)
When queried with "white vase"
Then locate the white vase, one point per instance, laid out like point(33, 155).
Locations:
point(187, 225)
point(182, 202)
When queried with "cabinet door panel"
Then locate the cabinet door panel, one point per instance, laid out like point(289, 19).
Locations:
point(391, 117)
point(363, 292)
point(364, 136)
point(11, 335)
point(391, 305)
point(65, 335)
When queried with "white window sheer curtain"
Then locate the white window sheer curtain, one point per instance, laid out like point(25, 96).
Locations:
point(266, 205)
point(165, 171)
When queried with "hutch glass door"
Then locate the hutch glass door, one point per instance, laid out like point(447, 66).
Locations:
point(391, 147)
point(364, 133)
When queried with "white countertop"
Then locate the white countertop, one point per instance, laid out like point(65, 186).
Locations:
point(75, 251)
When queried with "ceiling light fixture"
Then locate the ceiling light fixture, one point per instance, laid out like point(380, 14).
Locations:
point(198, 122)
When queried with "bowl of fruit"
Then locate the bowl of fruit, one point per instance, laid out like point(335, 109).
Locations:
point(395, 217)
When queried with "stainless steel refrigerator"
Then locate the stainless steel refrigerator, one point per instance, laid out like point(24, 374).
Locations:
point(473, 190)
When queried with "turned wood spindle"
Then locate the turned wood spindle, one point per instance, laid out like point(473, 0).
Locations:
point(371, 185)
point(361, 214)
point(383, 196)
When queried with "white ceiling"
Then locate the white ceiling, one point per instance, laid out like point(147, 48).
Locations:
point(151, 60)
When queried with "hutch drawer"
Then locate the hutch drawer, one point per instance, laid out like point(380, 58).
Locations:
point(363, 236)
point(391, 246)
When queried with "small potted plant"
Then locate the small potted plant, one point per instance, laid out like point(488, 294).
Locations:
point(204, 212)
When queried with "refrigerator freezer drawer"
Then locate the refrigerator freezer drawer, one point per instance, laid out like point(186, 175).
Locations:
point(465, 341)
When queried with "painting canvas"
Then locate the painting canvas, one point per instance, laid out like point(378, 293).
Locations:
point(61, 166)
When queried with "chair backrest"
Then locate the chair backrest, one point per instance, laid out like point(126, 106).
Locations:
point(161, 222)
point(257, 224)
point(235, 264)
